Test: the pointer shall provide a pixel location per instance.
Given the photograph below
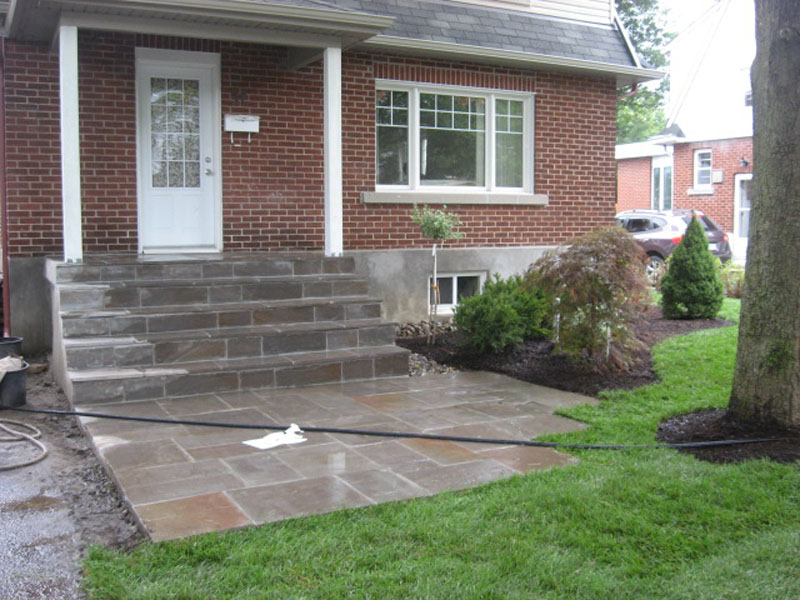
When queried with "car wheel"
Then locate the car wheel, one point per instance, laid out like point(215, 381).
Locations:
point(655, 268)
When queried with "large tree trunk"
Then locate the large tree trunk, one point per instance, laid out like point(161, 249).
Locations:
point(766, 385)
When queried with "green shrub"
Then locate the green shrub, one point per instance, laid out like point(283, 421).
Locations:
point(505, 313)
point(732, 277)
point(599, 288)
point(691, 288)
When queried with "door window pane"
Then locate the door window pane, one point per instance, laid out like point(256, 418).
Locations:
point(656, 200)
point(174, 132)
point(667, 203)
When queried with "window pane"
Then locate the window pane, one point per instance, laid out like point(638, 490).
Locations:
point(384, 116)
point(392, 137)
point(383, 98)
point(704, 177)
point(445, 291)
point(509, 160)
point(468, 286)
point(452, 140)
point(393, 155)
point(667, 188)
point(449, 157)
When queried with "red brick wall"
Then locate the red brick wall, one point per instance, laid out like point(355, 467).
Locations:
point(574, 156)
point(725, 155)
point(634, 183)
point(273, 185)
point(33, 163)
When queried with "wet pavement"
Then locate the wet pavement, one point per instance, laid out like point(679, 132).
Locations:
point(185, 480)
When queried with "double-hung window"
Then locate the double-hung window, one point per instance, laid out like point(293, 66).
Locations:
point(702, 169)
point(449, 139)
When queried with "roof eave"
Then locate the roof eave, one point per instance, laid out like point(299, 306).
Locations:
point(624, 74)
point(361, 25)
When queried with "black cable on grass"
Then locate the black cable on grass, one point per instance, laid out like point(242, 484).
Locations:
point(401, 434)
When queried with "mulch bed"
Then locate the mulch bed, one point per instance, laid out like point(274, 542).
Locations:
point(533, 362)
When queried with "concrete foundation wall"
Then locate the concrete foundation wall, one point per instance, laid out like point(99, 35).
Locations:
point(30, 304)
point(400, 277)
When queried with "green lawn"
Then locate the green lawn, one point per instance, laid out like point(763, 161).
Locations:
point(645, 524)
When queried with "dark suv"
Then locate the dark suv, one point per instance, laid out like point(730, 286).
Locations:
point(659, 232)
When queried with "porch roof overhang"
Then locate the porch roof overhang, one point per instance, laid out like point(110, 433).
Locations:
point(303, 25)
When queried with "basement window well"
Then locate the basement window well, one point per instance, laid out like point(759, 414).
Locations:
point(453, 287)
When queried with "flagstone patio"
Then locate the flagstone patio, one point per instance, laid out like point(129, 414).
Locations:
point(184, 480)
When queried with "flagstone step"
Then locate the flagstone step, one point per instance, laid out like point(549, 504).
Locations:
point(277, 371)
point(112, 268)
point(132, 321)
point(167, 348)
point(152, 293)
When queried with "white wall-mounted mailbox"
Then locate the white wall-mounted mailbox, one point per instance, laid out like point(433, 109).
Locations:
point(241, 123)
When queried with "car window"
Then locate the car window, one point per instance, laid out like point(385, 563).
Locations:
point(704, 221)
point(657, 223)
point(638, 224)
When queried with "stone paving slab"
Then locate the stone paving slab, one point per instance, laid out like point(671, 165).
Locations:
point(184, 480)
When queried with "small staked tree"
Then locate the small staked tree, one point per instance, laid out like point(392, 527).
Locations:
point(766, 382)
point(440, 226)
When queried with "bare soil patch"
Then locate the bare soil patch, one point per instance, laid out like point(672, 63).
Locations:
point(533, 361)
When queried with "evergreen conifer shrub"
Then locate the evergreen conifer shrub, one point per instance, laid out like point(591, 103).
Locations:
point(691, 288)
point(505, 313)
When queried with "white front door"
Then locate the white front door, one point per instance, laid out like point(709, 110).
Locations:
point(177, 103)
point(742, 202)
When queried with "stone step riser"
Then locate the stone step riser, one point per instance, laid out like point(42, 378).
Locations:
point(215, 317)
point(177, 385)
point(166, 353)
point(100, 297)
point(205, 270)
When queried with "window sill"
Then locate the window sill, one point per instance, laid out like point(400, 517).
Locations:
point(521, 199)
point(700, 192)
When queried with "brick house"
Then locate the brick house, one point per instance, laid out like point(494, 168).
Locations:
point(704, 159)
point(165, 129)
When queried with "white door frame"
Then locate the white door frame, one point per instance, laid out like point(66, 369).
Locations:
point(181, 59)
point(737, 200)
point(660, 163)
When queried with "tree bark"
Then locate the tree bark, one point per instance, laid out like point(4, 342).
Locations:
point(766, 385)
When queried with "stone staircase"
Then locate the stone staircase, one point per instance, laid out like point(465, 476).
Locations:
point(136, 327)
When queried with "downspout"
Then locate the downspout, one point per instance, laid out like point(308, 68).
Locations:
point(3, 195)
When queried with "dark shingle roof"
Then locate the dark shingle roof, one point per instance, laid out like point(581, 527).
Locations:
point(506, 29)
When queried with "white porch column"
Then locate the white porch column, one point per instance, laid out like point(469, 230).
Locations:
point(334, 237)
point(70, 143)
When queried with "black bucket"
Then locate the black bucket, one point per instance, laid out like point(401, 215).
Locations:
point(10, 345)
point(12, 387)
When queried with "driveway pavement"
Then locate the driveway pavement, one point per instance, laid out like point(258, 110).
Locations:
point(184, 480)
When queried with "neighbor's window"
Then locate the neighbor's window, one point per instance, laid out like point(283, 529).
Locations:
point(454, 287)
point(702, 169)
point(453, 138)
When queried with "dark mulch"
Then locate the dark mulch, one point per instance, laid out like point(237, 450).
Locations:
point(533, 361)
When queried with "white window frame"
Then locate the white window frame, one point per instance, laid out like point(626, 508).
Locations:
point(490, 193)
point(447, 308)
point(697, 169)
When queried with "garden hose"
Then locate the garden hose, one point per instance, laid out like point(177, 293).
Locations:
point(400, 434)
point(15, 435)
